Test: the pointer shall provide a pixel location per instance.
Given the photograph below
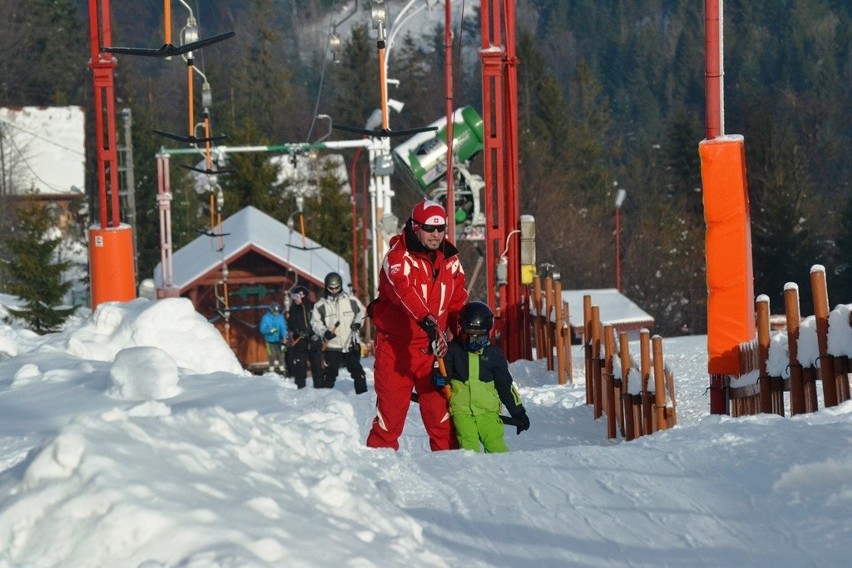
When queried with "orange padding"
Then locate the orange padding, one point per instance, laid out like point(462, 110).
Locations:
point(730, 279)
point(111, 264)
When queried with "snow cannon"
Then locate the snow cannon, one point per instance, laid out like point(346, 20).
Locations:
point(423, 157)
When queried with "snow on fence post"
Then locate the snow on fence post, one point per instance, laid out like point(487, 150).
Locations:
point(671, 418)
point(791, 312)
point(826, 363)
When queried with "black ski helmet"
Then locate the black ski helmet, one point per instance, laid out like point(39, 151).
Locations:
point(333, 284)
point(475, 321)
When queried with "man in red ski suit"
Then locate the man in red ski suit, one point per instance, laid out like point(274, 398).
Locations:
point(421, 291)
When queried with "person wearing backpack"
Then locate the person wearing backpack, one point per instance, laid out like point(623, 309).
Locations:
point(337, 319)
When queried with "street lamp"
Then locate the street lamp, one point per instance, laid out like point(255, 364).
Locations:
point(620, 195)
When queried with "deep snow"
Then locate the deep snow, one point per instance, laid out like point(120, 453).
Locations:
point(133, 438)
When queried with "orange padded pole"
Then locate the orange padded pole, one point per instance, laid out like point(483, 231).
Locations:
point(730, 281)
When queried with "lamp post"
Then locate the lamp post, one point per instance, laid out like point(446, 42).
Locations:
point(620, 195)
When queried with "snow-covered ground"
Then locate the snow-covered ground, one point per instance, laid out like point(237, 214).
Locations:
point(133, 438)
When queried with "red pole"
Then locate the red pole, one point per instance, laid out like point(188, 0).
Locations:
point(713, 67)
point(618, 249)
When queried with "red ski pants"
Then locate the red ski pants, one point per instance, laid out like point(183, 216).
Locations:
point(400, 368)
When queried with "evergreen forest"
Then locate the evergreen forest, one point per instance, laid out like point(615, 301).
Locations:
point(611, 96)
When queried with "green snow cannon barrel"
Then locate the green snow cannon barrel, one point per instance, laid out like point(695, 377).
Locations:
point(424, 156)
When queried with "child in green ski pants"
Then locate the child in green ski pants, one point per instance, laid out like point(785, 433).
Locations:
point(480, 383)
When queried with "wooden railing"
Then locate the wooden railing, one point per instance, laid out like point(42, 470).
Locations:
point(797, 360)
point(617, 387)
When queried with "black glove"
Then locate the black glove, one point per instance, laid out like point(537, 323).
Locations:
point(437, 338)
point(430, 325)
point(329, 335)
point(523, 421)
point(355, 327)
point(439, 381)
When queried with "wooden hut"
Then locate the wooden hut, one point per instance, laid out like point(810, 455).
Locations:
point(232, 280)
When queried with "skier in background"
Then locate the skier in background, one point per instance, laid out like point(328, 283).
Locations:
point(337, 318)
point(273, 327)
point(305, 345)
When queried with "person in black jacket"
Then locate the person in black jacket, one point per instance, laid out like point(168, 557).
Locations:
point(305, 345)
point(480, 383)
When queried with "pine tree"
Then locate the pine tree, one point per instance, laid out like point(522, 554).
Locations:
point(35, 276)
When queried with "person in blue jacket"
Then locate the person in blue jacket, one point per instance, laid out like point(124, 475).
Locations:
point(480, 384)
point(273, 327)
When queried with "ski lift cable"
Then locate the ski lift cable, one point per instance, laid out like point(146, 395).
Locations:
point(322, 72)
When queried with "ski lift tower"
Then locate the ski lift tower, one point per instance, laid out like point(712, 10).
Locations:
point(500, 117)
point(111, 264)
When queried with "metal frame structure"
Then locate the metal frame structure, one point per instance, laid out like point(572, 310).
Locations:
point(500, 116)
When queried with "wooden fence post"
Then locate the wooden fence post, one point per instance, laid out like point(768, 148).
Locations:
point(659, 384)
point(566, 342)
point(763, 353)
point(539, 318)
point(548, 307)
point(645, 362)
point(557, 333)
point(791, 309)
point(609, 380)
point(597, 391)
point(587, 346)
point(826, 362)
point(631, 425)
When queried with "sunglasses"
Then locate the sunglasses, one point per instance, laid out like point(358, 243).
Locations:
point(433, 228)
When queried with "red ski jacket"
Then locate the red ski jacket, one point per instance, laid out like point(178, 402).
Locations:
point(414, 283)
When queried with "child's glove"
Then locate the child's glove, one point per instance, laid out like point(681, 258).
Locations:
point(523, 421)
point(439, 381)
point(273, 330)
point(329, 335)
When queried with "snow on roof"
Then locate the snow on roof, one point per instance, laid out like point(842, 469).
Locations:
point(615, 307)
point(253, 228)
point(45, 148)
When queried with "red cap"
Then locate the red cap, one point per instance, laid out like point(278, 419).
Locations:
point(429, 213)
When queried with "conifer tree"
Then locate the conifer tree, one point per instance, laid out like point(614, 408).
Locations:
point(35, 276)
